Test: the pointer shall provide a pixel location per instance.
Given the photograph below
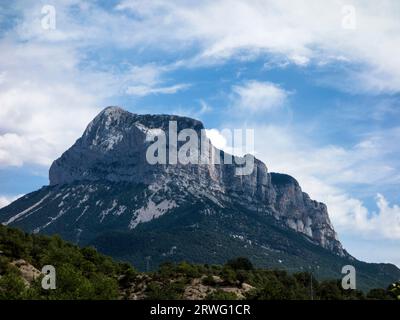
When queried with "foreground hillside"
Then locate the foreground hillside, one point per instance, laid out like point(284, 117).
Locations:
point(82, 273)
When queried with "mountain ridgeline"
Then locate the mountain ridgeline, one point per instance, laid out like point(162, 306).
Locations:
point(103, 192)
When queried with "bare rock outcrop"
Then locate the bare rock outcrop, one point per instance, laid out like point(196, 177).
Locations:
point(28, 272)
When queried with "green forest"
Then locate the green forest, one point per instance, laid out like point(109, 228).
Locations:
point(83, 273)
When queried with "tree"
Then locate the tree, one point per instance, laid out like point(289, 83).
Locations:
point(329, 290)
point(378, 294)
point(242, 276)
point(105, 288)
point(272, 290)
point(188, 269)
point(209, 281)
point(12, 287)
point(394, 290)
point(221, 295)
point(168, 291)
point(240, 264)
point(228, 275)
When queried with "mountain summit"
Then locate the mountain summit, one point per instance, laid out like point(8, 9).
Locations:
point(113, 149)
point(103, 191)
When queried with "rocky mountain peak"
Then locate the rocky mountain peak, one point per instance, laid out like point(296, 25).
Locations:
point(113, 148)
point(92, 179)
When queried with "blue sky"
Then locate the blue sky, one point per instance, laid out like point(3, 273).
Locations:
point(318, 82)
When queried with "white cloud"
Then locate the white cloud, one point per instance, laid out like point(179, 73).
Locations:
point(327, 172)
point(238, 142)
point(387, 219)
point(323, 172)
point(196, 111)
point(300, 33)
point(303, 32)
point(50, 90)
point(204, 107)
point(5, 200)
point(258, 96)
point(16, 149)
point(143, 90)
point(45, 104)
point(217, 139)
point(350, 216)
point(148, 79)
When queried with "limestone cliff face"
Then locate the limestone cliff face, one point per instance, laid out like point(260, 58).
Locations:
point(303, 214)
point(113, 148)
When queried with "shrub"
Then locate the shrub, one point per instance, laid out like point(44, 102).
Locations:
point(240, 264)
point(242, 276)
point(394, 290)
point(12, 287)
point(228, 275)
point(222, 295)
point(209, 281)
point(379, 294)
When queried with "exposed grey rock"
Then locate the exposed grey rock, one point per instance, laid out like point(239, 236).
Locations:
point(303, 214)
point(113, 148)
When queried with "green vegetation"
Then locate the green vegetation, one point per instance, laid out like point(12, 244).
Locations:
point(200, 238)
point(171, 280)
point(187, 234)
point(83, 273)
point(221, 295)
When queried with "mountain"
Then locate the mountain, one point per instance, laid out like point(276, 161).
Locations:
point(104, 192)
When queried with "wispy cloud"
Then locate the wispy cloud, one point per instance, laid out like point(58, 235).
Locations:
point(41, 100)
point(143, 90)
point(258, 96)
point(50, 89)
point(6, 200)
point(302, 32)
point(325, 171)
